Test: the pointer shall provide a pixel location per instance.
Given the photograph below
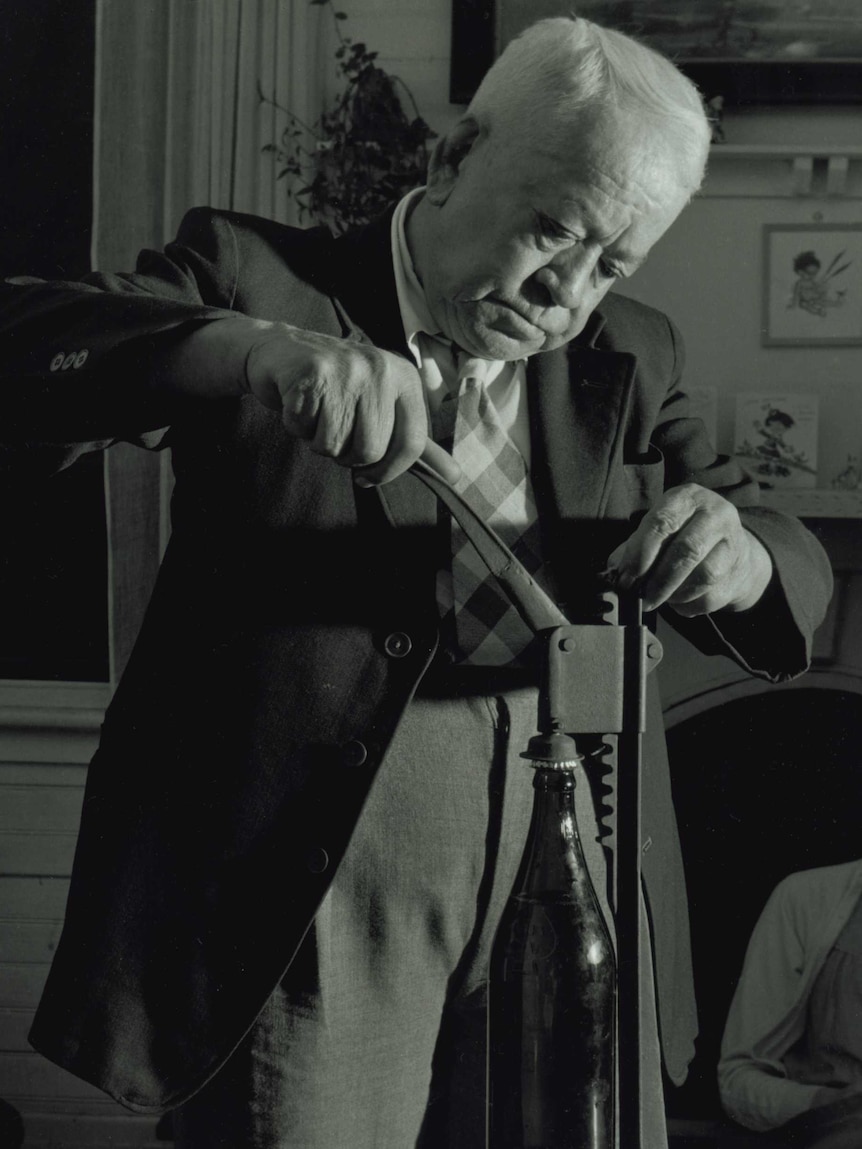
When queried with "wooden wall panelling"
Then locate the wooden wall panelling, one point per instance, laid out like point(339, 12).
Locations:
point(40, 807)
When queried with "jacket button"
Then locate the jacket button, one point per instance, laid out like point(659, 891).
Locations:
point(353, 753)
point(57, 361)
point(397, 644)
point(317, 860)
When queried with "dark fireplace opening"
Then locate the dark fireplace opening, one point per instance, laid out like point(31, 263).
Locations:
point(763, 786)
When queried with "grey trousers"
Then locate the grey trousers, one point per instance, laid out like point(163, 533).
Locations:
point(376, 1037)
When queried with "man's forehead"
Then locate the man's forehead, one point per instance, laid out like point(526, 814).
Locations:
point(614, 154)
point(608, 210)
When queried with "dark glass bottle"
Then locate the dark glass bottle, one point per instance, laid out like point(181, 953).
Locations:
point(552, 984)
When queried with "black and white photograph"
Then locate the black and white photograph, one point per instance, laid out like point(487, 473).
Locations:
point(431, 574)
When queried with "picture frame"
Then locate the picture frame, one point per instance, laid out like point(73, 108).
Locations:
point(772, 52)
point(776, 437)
point(812, 285)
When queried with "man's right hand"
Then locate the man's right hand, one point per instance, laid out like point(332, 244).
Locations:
point(360, 406)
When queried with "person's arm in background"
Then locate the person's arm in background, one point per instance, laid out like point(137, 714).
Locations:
point(767, 1014)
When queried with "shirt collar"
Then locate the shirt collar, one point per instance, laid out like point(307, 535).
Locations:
point(416, 317)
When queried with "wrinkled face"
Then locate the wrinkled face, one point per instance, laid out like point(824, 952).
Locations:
point(518, 245)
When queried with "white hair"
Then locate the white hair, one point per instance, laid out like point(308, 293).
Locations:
point(560, 68)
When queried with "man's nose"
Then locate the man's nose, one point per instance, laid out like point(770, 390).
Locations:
point(568, 276)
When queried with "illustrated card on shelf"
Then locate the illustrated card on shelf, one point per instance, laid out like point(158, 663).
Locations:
point(776, 438)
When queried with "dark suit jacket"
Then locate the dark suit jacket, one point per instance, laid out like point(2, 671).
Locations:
point(262, 693)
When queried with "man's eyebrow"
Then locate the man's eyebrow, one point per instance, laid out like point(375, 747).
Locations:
point(553, 224)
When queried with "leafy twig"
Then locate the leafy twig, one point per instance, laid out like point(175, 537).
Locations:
point(361, 154)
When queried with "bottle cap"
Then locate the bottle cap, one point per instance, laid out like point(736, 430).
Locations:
point(554, 751)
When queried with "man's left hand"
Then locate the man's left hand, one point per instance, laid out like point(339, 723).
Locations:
point(692, 552)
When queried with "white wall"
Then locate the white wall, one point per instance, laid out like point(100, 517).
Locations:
point(707, 274)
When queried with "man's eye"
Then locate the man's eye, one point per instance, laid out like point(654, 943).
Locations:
point(550, 234)
point(608, 271)
point(546, 241)
point(543, 242)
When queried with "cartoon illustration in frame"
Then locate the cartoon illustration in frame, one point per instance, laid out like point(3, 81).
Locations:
point(812, 285)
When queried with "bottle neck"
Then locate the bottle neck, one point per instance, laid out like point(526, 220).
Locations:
point(553, 861)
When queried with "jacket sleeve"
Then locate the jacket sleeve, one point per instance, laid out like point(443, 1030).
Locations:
point(767, 1016)
point(75, 364)
point(773, 639)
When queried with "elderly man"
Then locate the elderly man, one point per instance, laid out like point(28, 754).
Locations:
point(251, 924)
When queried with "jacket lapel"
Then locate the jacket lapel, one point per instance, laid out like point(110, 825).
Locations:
point(579, 398)
point(363, 287)
point(362, 283)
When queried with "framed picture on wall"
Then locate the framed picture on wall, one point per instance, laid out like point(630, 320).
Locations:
point(748, 51)
point(812, 285)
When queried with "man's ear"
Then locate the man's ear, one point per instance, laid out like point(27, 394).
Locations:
point(446, 159)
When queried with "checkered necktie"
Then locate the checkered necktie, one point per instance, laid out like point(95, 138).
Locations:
point(488, 631)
